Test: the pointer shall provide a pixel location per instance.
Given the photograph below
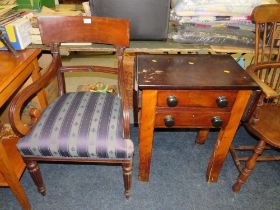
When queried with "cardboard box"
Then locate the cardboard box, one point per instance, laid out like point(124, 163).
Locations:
point(18, 33)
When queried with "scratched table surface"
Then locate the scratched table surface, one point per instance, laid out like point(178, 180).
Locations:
point(188, 72)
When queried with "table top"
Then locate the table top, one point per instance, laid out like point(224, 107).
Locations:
point(11, 66)
point(192, 71)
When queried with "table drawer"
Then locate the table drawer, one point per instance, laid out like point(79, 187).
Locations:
point(191, 118)
point(196, 98)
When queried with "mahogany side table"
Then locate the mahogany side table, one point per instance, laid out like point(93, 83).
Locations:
point(190, 91)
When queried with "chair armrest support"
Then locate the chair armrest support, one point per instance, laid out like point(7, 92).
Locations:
point(124, 96)
point(19, 127)
point(267, 90)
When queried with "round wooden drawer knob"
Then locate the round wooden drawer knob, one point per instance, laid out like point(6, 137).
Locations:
point(172, 101)
point(169, 121)
point(217, 121)
point(222, 101)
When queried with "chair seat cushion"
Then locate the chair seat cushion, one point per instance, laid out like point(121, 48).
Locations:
point(79, 125)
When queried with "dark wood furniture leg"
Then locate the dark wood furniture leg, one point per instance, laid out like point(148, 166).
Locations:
point(226, 136)
point(146, 133)
point(127, 176)
point(35, 173)
point(135, 107)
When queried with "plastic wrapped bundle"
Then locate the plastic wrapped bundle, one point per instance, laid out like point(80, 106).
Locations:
point(217, 22)
point(214, 36)
point(217, 7)
point(240, 22)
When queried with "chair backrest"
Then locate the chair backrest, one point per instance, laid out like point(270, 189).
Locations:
point(267, 48)
point(80, 29)
point(267, 20)
point(58, 29)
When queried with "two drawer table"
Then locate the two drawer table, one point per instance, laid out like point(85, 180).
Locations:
point(190, 91)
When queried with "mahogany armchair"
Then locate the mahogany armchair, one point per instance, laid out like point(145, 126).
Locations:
point(264, 116)
point(77, 126)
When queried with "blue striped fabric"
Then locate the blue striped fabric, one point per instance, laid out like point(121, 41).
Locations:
point(82, 124)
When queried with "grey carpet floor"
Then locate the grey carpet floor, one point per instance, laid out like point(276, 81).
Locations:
point(177, 181)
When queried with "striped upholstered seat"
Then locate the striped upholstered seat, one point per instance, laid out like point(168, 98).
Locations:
point(72, 127)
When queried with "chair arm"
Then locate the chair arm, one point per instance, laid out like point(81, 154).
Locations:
point(126, 118)
point(267, 90)
point(125, 106)
point(123, 93)
point(18, 102)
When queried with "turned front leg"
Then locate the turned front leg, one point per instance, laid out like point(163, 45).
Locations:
point(35, 173)
point(127, 177)
point(249, 166)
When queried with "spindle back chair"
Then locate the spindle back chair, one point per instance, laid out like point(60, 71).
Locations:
point(264, 115)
